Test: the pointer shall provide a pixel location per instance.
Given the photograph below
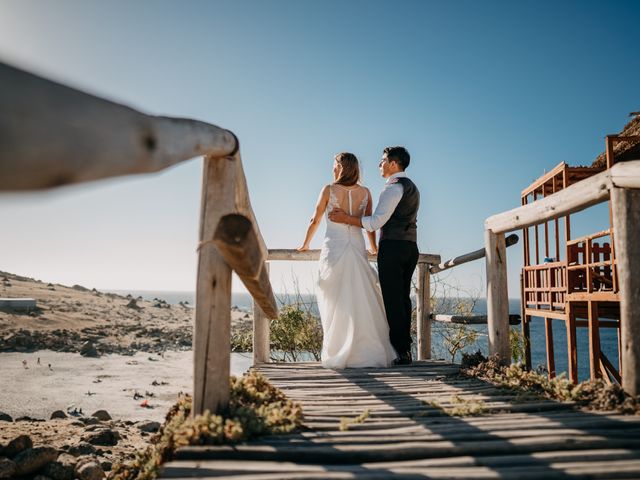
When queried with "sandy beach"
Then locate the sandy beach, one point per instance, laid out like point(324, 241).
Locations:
point(81, 351)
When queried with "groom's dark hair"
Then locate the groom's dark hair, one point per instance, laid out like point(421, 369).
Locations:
point(400, 155)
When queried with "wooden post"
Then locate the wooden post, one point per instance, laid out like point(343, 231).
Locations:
point(423, 314)
point(626, 224)
point(261, 341)
point(212, 335)
point(497, 296)
point(551, 362)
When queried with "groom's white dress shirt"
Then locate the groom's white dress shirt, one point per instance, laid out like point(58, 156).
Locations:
point(389, 199)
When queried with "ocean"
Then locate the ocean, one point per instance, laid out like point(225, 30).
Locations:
point(608, 338)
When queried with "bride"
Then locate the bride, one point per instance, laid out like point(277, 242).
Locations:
point(356, 333)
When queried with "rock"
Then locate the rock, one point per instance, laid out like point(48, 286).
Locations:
point(106, 465)
point(106, 437)
point(4, 417)
point(58, 414)
point(101, 415)
point(17, 445)
point(63, 468)
point(42, 477)
point(133, 304)
point(90, 421)
point(7, 468)
point(82, 448)
point(33, 459)
point(148, 426)
point(89, 471)
point(88, 349)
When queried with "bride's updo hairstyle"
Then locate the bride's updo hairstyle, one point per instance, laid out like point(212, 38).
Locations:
point(349, 169)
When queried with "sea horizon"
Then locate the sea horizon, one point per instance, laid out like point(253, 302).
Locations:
point(608, 337)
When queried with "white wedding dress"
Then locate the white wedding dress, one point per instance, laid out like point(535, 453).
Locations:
point(356, 333)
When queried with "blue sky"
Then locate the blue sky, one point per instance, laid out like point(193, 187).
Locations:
point(485, 95)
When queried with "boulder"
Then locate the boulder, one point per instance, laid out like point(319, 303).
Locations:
point(148, 426)
point(90, 420)
point(17, 445)
point(7, 468)
point(105, 437)
point(82, 448)
point(58, 414)
point(63, 468)
point(89, 471)
point(4, 417)
point(33, 459)
point(101, 415)
point(88, 349)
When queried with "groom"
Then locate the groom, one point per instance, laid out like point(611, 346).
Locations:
point(395, 216)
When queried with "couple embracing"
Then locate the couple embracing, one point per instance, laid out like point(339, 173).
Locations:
point(366, 317)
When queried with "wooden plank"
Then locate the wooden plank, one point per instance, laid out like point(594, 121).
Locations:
point(55, 135)
point(314, 255)
point(497, 296)
point(469, 257)
point(626, 224)
point(423, 312)
point(471, 319)
point(572, 199)
point(261, 332)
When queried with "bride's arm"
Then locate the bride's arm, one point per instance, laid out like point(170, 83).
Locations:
point(372, 235)
point(321, 206)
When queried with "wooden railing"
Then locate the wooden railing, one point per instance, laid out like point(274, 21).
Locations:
point(54, 135)
point(261, 352)
point(621, 184)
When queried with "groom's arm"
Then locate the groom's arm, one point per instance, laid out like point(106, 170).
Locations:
point(389, 199)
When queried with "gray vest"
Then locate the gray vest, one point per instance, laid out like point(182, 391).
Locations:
point(402, 223)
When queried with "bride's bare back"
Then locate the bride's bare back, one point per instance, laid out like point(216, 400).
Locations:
point(353, 200)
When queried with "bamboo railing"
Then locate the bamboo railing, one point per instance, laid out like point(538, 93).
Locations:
point(621, 184)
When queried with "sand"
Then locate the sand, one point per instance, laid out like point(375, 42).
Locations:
point(144, 361)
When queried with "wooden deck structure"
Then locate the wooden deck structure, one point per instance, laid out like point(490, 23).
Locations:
point(408, 435)
point(54, 135)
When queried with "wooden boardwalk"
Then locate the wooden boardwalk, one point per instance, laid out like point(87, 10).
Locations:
point(410, 432)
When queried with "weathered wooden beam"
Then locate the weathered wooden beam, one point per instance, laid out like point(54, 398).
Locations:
point(54, 135)
point(469, 257)
point(261, 333)
point(574, 198)
point(311, 255)
point(497, 296)
point(224, 193)
point(238, 242)
point(423, 308)
point(625, 206)
point(212, 333)
point(470, 319)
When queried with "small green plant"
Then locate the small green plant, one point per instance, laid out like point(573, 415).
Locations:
point(255, 408)
point(591, 394)
point(465, 407)
point(294, 333)
point(345, 422)
point(518, 344)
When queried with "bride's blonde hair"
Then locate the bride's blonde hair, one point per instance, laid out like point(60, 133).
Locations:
point(349, 169)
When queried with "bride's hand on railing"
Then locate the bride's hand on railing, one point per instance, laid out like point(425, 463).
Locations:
point(303, 248)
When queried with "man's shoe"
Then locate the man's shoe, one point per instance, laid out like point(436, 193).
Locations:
point(403, 359)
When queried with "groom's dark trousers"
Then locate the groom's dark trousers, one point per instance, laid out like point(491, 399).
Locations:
point(397, 260)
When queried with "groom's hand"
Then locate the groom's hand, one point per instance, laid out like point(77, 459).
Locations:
point(338, 215)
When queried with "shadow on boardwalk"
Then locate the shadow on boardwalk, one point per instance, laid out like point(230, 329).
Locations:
point(409, 435)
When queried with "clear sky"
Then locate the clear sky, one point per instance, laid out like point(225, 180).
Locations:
point(486, 95)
